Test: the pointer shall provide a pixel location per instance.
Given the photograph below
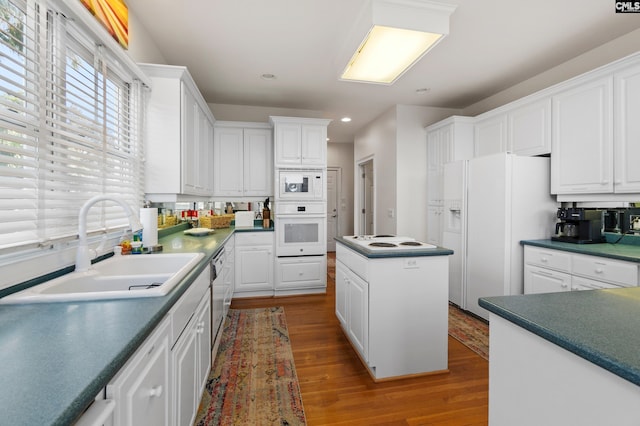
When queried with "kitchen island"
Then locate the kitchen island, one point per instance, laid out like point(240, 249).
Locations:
point(392, 304)
point(566, 358)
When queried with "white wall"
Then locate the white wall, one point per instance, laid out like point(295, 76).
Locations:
point(341, 155)
point(142, 48)
point(609, 52)
point(378, 141)
point(411, 152)
point(396, 141)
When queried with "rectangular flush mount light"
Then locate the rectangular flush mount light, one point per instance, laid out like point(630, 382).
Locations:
point(397, 33)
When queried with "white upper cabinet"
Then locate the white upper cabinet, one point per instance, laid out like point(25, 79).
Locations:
point(523, 128)
point(627, 130)
point(490, 135)
point(582, 138)
point(300, 142)
point(243, 159)
point(178, 138)
point(529, 128)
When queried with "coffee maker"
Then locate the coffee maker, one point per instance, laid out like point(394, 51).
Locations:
point(579, 225)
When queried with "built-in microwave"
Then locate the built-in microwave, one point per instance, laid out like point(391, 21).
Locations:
point(300, 184)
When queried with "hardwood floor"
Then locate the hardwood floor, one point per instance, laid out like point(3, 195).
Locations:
point(337, 390)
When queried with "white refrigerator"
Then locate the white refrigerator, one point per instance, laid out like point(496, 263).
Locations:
point(506, 199)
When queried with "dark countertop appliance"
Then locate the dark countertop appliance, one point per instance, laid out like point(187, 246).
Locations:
point(579, 225)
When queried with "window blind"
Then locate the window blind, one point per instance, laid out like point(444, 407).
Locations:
point(70, 127)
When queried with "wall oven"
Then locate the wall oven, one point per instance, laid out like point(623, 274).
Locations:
point(300, 228)
point(300, 185)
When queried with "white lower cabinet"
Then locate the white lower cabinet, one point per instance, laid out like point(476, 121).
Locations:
point(142, 388)
point(301, 273)
point(254, 264)
point(548, 271)
point(352, 307)
point(191, 363)
point(541, 280)
point(162, 382)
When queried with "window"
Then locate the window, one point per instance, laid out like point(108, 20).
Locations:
point(70, 127)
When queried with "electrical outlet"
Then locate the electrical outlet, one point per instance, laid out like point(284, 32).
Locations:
point(391, 213)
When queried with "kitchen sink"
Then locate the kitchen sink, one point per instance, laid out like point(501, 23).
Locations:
point(119, 277)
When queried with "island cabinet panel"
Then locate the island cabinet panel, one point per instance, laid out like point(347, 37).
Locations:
point(394, 310)
point(534, 382)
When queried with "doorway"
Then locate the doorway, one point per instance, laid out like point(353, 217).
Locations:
point(334, 179)
point(366, 197)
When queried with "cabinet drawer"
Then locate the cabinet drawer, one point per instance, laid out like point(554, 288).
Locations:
point(603, 269)
point(580, 283)
point(254, 238)
point(552, 259)
point(301, 272)
point(352, 260)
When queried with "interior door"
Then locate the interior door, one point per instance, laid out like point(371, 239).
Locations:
point(333, 195)
point(366, 198)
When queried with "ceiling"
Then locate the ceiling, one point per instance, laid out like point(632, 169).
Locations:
point(493, 44)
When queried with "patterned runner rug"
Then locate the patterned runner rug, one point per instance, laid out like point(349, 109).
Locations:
point(469, 330)
point(253, 379)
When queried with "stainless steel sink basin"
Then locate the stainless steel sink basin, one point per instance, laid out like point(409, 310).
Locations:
point(119, 277)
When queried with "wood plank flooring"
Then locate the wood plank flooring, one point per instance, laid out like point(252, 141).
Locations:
point(337, 390)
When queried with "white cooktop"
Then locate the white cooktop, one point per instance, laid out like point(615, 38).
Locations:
point(388, 242)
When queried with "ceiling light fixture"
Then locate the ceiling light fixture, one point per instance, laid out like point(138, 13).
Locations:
point(392, 35)
point(345, 119)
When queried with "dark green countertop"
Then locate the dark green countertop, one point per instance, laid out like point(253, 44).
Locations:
point(601, 326)
point(394, 252)
point(627, 252)
point(56, 357)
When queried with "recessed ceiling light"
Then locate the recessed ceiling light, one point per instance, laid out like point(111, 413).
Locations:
point(345, 119)
point(422, 91)
point(267, 76)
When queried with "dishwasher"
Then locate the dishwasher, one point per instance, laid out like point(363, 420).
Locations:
point(217, 294)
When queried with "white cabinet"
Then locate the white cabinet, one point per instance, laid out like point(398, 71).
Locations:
point(300, 142)
point(548, 270)
point(243, 159)
point(352, 307)
point(178, 137)
point(582, 138)
point(448, 140)
point(301, 274)
point(191, 363)
point(627, 130)
point(435, 224)
point(190, 348)
point(142, 388)
point(490, 136)
point(254, 259)
point(542, 280)
point(529, 128)
point(393, 310)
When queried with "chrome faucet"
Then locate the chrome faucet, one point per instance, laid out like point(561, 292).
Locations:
point(83, 262)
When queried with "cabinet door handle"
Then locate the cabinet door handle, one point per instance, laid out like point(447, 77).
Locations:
point(599, 270)
point(544, 260)
point(155, 391)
